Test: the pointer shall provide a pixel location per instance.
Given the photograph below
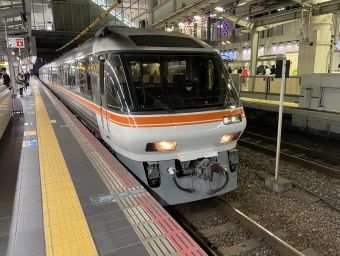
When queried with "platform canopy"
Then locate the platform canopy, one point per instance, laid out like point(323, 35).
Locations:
point(13, 24)
point(248, 14)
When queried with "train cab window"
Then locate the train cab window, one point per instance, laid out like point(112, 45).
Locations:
point(117, 91)
point(180, 81)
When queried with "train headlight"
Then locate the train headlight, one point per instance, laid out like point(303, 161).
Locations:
point(161, 146)
point(232, 119)
point(230, 137)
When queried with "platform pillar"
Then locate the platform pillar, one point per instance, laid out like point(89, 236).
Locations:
point(11, 68)
point(254, 52)
point(151, 4)
point(314, 46)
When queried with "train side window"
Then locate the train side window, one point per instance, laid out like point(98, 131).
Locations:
point(118, 94)
point(83, 81)
point(94, 73)
point(71, 76)
point(113, 75)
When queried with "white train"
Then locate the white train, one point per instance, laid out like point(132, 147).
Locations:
point(162, 101)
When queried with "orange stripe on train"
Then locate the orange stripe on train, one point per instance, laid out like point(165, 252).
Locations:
point(154, 121)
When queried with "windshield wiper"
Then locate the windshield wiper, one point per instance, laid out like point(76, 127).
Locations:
point(227, 104)
point(165, 107)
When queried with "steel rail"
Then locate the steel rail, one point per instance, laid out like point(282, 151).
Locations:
point(92, 24)
point(308, 164)
point(184, 223)
point(303, 150)
point(269, 237)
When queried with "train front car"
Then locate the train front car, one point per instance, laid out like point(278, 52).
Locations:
point(182, 117)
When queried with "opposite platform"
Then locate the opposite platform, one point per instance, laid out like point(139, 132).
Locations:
point(87, 202)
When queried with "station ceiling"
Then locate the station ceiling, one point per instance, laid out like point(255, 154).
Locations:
point(48, 42)
point(251, 13)
point(12, 24)
point(248, 13)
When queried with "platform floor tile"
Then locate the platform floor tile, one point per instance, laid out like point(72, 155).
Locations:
point(65, 227)
point(116, 219)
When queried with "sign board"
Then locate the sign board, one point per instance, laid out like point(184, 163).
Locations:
point(13, 42)
point(2, 62)
point(15, 64)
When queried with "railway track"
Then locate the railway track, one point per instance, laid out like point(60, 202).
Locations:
point(309, 158)
point(241, 233)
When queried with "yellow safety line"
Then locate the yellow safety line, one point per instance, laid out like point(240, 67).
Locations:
point(66, 229)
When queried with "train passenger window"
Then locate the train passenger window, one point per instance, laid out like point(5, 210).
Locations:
point(83, 80)
point(94, 73)
point(64, 74)
point(117, 92)
point(71, 76)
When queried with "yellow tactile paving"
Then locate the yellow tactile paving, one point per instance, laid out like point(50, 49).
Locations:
point(65, 226)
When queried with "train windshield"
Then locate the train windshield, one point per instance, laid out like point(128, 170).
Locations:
point(180, 82)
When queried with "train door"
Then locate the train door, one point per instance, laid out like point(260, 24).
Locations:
point(103, 111)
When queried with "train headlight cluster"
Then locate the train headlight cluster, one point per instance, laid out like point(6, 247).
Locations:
point(230, 137)
point(161, 146)
point(232, 119)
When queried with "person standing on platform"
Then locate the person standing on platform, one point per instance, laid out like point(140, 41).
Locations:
point(245, 78)
point(268, 72)
point(230, 70)
point(20, 84)
point(6, 79)
point(273, 70)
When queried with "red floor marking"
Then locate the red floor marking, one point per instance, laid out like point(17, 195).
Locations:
point(184, 244)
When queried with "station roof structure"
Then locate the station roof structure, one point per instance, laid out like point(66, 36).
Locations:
point(71, 17)
point(13, 23)
point(252, 14)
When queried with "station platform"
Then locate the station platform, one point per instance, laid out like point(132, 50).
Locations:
point(63, 193)
point(269, 105)
point(316, 120)
point(288, 107)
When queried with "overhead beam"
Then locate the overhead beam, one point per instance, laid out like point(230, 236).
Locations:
point(303, 3)
point(219, 4)
point(3, 36)
point(9, 6)
point(14, 31)
point(10, 12)
point(286, 16)
point(183, 11)
point(12, 23)
point(238, 20)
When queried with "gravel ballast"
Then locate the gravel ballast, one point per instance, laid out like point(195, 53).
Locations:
point(313, 226)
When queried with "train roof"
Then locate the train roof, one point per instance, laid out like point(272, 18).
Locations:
point(136, 40)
